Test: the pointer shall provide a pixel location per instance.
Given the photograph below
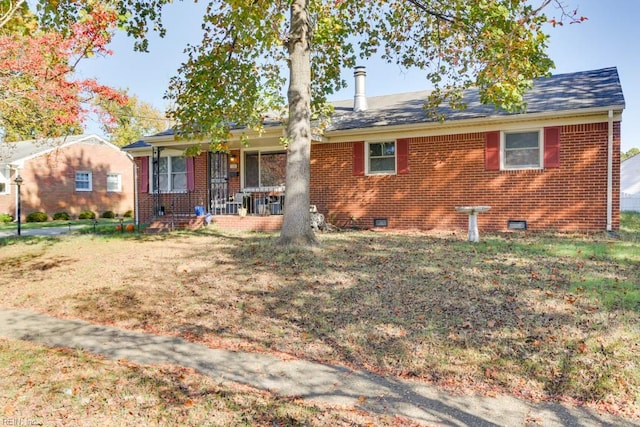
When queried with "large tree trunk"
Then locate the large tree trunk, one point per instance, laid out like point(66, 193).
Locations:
point(296, 227)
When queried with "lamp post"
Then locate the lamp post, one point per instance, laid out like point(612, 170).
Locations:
point(18, 182)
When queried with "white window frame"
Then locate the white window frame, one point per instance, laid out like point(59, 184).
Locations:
point(169, 157)
point(503, 149)
point(368, 158)
point(118, 176)
point(89, 180)
point(5, 179)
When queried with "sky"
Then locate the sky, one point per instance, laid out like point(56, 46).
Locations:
point(609, 38)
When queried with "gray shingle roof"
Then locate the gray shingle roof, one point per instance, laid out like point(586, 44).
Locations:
point(139, 144)
point(561, 92)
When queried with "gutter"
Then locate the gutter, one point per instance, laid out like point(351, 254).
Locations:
point(610, 173)
point(471, 125)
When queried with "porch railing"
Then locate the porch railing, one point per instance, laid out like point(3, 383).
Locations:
point(261, 202)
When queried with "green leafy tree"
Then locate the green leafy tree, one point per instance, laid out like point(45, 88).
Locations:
point(40, 95)
point(15, 17)
point(129, 122)
point(238, 72)
point(628, 154)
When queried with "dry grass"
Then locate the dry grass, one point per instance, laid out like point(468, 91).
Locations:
point(542, 317)
point(42, 386)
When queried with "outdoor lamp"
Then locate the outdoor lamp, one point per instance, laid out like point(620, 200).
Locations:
point(18, 182)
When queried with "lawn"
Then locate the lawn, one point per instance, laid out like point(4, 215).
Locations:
point(539, 316)
point(43, 386)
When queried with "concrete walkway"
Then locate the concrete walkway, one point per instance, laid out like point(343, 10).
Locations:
point(44, 231)
point(312, 381)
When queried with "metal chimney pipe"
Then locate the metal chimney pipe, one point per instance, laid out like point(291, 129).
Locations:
point(360, 99)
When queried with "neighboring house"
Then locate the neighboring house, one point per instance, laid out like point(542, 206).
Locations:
point(383, 162)
point(630, 184)
point(72, 174)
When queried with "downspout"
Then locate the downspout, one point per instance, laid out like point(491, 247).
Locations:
point(610, 174)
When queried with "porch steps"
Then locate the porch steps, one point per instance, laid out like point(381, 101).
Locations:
point(223, 222)
point(167, 224)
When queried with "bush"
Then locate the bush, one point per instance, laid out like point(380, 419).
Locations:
point(87, 215)
point(108, 214)
point(128, 214)
point(37, 217)
point(5, 217)
point(61, 216)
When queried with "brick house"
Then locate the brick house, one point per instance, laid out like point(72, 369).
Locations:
point(383, 162)
point(72, 174)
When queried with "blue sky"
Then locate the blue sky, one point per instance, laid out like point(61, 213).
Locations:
point(610, 37)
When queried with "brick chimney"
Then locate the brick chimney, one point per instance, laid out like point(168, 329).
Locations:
point(360, 99)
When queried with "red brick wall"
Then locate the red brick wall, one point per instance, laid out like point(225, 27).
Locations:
point(449, 170)
point(49, 182)
point(182, 202)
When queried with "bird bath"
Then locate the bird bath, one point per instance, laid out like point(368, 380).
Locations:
point(473, 212)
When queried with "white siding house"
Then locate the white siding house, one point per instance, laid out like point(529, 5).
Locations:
point(630, 184)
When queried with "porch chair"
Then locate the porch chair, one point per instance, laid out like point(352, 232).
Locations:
point(235, 204)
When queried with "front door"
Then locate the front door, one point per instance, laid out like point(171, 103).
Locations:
point(219, 173)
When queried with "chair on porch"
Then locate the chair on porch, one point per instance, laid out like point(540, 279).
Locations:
point(235, 204)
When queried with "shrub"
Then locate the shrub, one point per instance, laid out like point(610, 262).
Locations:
point(128, 214)
point(87, 215)
point(108, 214)
point(130, 228)
point(37, 217)
point(5, 217)
point(61, 216)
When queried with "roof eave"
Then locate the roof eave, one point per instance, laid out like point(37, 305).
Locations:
point(480, 123)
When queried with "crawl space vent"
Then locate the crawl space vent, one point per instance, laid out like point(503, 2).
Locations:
point(380, 222)
point(517, 224)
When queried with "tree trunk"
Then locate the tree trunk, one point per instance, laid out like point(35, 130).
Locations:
point(296, 227)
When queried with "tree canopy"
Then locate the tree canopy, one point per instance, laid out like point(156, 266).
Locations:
point(131, 120)
point(39, 94)
point(630, 153)
point(236, 74)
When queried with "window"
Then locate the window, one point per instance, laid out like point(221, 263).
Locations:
point(114, 182)
point(382, 158)
point(522, 150)
point(83, 181)
point(532, 149)
point(265, 169)
point(172, 174)
point(5, 178)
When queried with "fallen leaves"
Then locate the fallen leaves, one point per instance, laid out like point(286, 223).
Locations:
point(498, 314)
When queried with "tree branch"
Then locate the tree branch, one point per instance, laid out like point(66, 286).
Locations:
point(420, 5)
point(4, 19)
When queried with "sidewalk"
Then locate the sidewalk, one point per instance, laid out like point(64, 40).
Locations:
point(308, 380)
point(44, 231)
